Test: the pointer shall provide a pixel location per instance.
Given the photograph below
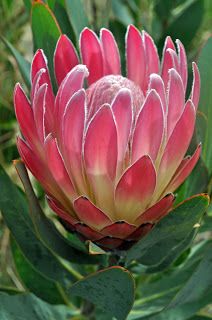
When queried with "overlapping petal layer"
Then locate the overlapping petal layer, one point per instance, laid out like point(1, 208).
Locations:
point(109, 156)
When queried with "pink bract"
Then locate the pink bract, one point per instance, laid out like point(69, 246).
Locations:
point(109, 156)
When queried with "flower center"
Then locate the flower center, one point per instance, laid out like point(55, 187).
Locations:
point(105, 89)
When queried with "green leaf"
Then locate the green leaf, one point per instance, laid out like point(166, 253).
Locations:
point(196, 293)
point(119, 31)
point(173, 254)
point(111, 290)
point(15, 214)
point(186, 23)
point(46, 32)
point(51, 3)
point(61, 14)
point(40, 285)
point(200, 318)
point(157, 293)
point(198, 287)
point(205, 105)
point(29, 307)
point(10, 290)
point(169, 232)
point(77, 15)
point(28, 5)
point(23, 64)
point(207, 222)
point(47, 231)
point(163, 8)
point(122, 12)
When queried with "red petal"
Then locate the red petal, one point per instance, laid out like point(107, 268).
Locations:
point(65, 58)
point(24, 115)
point(71, 84)
point(110, 49)
point(157, 211)
point(100, 153)
point(151, 54)
point(149, 128)
point(177, 146)
point(36, 166)
point(136, 70)
point(156, 83)
point(87, 232)
point(61, 212)
point(176, 100)
point(39, 62)
point(183, 69)
point(122, 109)
point(175, 60)
point(101, 138)
point(41, 172)
point(38, 109)
point(38, 81)
point(89, 214)
point(91, 55)
point(140, 232)
point(167, 61)
point(119, 229)
point(109, 243)
point(57, 168)
point(135, 188)
point(72, 138)
point(184, 171)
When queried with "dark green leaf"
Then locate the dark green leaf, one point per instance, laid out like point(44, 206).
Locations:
point(157, 294)
point(122, 12)
point(23, 65)
point(207, 224)
point(185, 24)
point(201, 127)
point(61, 14)
point(15, 214)
point(163, 7)
point(111, 290)
point(10, 290)
point(43, 287)
point(51, 3)
point(46, 32)
point(119, 30)
point(28, 5)
point(205, 105)
point(169, 232)
point(173, 254)
point(196, 293)
point(77, 15)
point(200, 318)
point(29, 307)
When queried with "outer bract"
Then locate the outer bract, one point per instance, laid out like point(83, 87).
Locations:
point(109, 156)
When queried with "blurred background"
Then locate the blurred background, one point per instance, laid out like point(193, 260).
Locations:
point(188, 20)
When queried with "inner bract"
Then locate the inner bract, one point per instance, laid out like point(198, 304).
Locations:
point(105, 89)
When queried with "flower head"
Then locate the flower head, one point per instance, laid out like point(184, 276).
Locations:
point(109, 156)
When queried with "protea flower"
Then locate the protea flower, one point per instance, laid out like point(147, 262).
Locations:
point(109, 156)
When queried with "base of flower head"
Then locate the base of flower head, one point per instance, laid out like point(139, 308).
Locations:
point(108, 242)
